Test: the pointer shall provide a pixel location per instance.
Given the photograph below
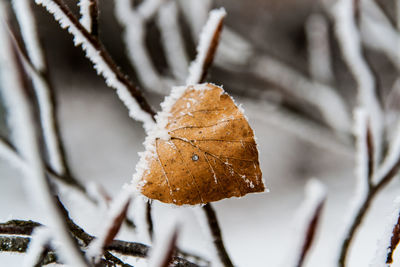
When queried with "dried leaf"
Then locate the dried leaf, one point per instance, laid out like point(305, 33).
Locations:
point(210, 153)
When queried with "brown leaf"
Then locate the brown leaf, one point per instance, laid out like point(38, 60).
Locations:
point(210, 154)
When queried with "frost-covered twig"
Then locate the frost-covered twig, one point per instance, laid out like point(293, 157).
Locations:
point(325, 98)
point(319, 54)
point(196, 13)
point(8, 153)
point(349, 40)
point(89, 10)
point(26, 140)
point(207, 47)
point(110, 228)
point(17, 228)
point(129, 94)
point(378, 32)
point(38, 247)
point(389, 239)
point(35, 64)
point(163, 251)
point(172, 40)
point(302, 128)
point(367, 188)
point(133, 22)
point(307, 220)
point(59, 160)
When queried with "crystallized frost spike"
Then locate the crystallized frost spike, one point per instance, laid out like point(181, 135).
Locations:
point(202, 150)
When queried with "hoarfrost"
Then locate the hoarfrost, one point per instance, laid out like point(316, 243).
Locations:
point(102, 68)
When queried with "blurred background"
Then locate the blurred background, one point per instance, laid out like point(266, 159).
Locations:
point(282, 61)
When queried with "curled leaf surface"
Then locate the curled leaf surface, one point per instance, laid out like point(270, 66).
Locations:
point(209, 153)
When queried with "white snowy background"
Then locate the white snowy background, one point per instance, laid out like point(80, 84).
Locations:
point(259, 229)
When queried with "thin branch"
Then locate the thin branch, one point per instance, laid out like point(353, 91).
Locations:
point(134, 22)
point(207, 47)
point(326, 99)
point(216, 235)
point(349, 39)
point(11, 231)
point(129, 94)
point(173, 42)
point(18, 227)
point(28, 144)
point(38, 247)
point(115, 217)
point(319, 52)
point(309, 217)
point(42, 86)
point(378, 32)
point(394, 240)
point(164, 249)
point(373, 189)
point(89, 10)
point(58, 164)
point(149, 220)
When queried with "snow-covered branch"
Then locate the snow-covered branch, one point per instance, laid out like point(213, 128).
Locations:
point(207, 47)
point(110, 228)
point(349, 40)
point(16, 235)
point(307, 219)
point(389, 239)
point(319, 53)
point(378, 33)
point(38, 246)
point(133, 22)
point(172, 40)
point(325, 98)
point(89, 15)
point(129, 94)
point(164, 248)
point(367, 188)
point(42, 86)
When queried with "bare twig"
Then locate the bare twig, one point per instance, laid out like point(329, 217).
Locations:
point(216, 235)
point(149, 220)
